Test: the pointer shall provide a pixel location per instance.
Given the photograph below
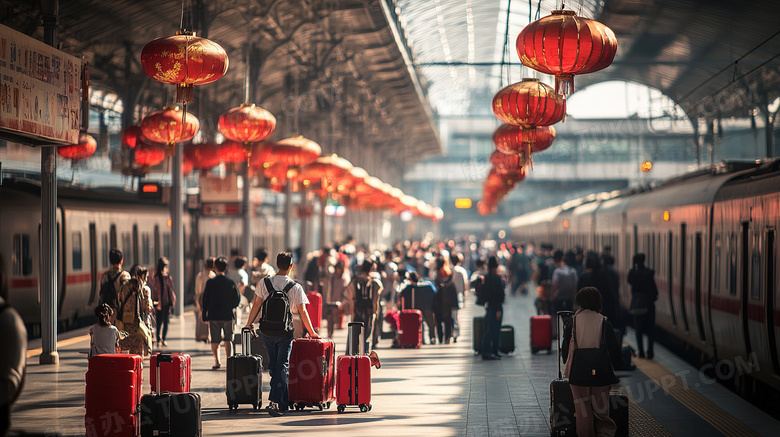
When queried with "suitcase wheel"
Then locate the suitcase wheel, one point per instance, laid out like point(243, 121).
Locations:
point(341, 408)
point(363, 408)
point(321, 406)
point(232, 406)
point(534, 350)
point(255, 406)
point(327, 405)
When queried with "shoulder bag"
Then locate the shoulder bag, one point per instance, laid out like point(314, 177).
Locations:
point(591, 367)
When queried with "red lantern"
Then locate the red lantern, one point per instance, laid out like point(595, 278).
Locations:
point(166, 126)
point(132, 135)
point(83, 150)
point(260, 155)
point(504, 163)
point(510, 138)
point(203, 156)
point(186, 166)
point(232, 151)
point(247, 123)
point(529, 103)
point(148, 154)
point(563, 44)
point(328, 170)
point(295, 151)
point(184, 60)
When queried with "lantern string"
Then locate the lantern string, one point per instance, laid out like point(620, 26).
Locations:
point(506, 46)
point(539, 10)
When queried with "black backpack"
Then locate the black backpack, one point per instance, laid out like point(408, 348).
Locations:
point(108, 293)
point(364, 294)
point(276, 319)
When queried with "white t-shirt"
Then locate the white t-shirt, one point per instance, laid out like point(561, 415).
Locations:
point(104, 339)
point(296, 294)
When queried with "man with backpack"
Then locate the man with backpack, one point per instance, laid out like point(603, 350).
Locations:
point(112, 280)
point(364, 291)
point(276, 299)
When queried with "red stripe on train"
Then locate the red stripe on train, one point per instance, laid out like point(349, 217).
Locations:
point(755, 313)
point(24, 283)
point(77, 278)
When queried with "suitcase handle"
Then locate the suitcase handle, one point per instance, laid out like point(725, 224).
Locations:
point(246, 340)
point(558, 317)
point(354, 346)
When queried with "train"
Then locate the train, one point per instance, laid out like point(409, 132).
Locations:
point(89, 223)
point(710, 235)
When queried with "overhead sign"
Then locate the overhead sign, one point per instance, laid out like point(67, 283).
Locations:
point(217, 189)
point(40, 91)
point(212, 209)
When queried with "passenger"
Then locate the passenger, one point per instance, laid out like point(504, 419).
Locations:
point(589, 387)
point(220, 299)
point(644, 293)
point(460, 277)
point(364, 292)
point(333, 286)
point(13, 360)
point(239, 276)
point(133, 309)
point(201, 327)
point(279, 346)
point(163, 297)
point(112, 280)
point(494, 300)
point(445, 302)
point(595, 276)
point(424, 295)
point(564, 284)
point(103, 336)
point(608, 261)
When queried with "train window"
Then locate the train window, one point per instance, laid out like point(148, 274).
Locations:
point(104, 257)
point(113, 238)
point(21, 261)
point(127, 246)
point(145, 252)
point(732, 270)
point(76, 244)
point(755, 269)
point(716, 264)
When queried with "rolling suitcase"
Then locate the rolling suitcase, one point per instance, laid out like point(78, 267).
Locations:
point(311, 378)
point(562, 420)
point(175, 373)
point(410, 330)
point(353, 373)
point(477, 329)
point(618, 412)
point(244, 380)
point(170, 414)
point(506, 339)
point(113, 389)
point(314, 308)
point(541, 333)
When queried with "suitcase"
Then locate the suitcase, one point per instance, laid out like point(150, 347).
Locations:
point(541, 333)
point(113, 389)
point(256, 345)
point(410, 330)
point(170, 414)
point(244, 380)
point(353, 373)
point(506, 339)
point(618, 412)
point(477, 329)
point(562, 420)
point(311, 375)
point(201, 328)
point(314, 308)
point(175, 373)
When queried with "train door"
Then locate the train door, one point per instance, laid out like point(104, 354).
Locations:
point(744, 292)
point(670, 275)
point(683, 273)
point(697, 285)
point(113, 238)
point(93, 264)
point(771, 301)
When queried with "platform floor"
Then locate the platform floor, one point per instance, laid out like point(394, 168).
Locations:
point(439, 390)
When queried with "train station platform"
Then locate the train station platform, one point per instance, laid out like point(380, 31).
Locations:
point(437, 390)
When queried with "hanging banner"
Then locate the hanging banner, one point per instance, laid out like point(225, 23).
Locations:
point(40, 91)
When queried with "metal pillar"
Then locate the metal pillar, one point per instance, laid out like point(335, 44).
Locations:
point(323, 203)
point(246, 213)
point(177, 233)
point(48, 279)
point(287, 214)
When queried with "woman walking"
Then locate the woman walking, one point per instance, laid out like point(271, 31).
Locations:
point(163, 297)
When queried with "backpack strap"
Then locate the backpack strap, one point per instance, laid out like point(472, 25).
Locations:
point(289, 286)
point(269, 286)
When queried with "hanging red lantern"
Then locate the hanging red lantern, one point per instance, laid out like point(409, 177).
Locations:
point(170, 126)
point(186, 166)
point(529, 103)
point(563, 44)
point(203, 156)
point(184, 60)
point(260, 153)
point(295, 151)
point(247, 123)
point(510, 139)
point(131, 136)
point(232, 151)
point(504, 163)
point(327, 170)
point(148, 154)
point(83, 150)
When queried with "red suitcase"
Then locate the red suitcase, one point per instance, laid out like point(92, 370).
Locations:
point(113, 390)
point(410, 328)
point(311, 378)
point(353, 373)
point(314, 308)
point(175, 376)
point(541, 333)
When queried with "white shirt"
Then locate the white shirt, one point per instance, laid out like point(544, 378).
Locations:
point(296, 294)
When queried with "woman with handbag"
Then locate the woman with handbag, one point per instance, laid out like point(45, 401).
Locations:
point(644, 293)
point(588, 353)
point(133, 307)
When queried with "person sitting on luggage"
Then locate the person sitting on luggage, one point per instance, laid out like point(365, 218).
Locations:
point(279, 346)
point(494, 287)
point(591, 394)
point(365, 291)
point(103, 336)
point(424, 295)
point(220, 298)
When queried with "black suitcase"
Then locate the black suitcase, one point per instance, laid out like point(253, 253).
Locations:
point(170, 414)
point(244, 382)
point(562, 420)
point(618, 412)
point(506, 339)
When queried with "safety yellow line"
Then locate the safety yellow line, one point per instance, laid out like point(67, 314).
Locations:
point(695, 401)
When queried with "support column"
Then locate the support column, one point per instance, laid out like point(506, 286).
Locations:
point(177, 233)
point(287, 214)
point(48, 277)
point(323, 203)
point(246, 215)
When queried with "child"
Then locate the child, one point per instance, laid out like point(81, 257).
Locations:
point(104, 337)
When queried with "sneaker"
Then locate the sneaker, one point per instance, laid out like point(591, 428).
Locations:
point(273, 410)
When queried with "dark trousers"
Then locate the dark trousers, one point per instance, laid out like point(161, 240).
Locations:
point(444, 325)
point(331, 315)
point(163, 317)
point(430, 320)
point(645, 324)
point(368, 318)
point(279, 368)
point(492, 331)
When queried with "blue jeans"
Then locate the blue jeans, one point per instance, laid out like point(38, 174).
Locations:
point(492, 331)
point(279, 367)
